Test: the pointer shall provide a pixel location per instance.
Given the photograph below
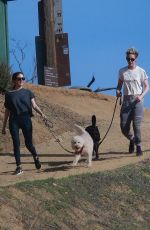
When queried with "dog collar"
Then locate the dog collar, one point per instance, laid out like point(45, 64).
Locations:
point(79, 152)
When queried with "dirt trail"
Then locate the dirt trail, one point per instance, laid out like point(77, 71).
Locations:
point(65, 108)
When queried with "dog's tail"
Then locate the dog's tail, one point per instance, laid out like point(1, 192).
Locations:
point(80, 130)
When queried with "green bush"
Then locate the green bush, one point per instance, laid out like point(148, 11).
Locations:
point(5, 77)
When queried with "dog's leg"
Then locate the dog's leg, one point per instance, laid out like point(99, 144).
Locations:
point(76, 159)
point(89, 160)
point(96, 146)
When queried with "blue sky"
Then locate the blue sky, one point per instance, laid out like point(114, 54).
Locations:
point(100, 31)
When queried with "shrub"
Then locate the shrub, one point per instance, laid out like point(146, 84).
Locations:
point(5, 77)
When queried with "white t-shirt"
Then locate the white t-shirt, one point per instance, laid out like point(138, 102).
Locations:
point(133, 80)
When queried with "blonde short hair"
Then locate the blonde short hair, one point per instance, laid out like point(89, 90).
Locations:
point(132, 51)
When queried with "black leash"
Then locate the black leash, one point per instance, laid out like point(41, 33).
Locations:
point(49, 125)
point(111, 121)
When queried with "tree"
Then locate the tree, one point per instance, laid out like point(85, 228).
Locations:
point(18, 52)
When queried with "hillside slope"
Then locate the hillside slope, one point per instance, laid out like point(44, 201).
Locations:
point(64, 108)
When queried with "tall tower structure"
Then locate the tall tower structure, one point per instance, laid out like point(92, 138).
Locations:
point(52, 51)
point(4, 53)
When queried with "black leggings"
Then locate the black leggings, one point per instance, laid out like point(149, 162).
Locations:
point(24, 123)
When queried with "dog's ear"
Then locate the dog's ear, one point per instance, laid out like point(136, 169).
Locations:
point(80, 130)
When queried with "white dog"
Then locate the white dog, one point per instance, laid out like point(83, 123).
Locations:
point(82, 144)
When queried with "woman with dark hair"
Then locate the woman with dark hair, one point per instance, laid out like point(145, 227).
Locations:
point(18, 109)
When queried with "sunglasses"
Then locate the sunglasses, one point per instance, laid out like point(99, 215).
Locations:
point(20, 78)
point(130, 59)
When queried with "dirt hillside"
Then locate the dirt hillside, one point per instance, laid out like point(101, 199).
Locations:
point(64, 108)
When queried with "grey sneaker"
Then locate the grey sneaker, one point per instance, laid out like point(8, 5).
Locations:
point(18, 170)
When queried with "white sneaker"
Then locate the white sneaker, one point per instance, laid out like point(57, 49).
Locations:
point(18, 170)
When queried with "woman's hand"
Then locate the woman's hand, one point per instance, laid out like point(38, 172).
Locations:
point(139, 98)
point(43, 116)
point(118, 93)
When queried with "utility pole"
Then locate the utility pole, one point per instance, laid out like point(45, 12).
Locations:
point(49, 33)
point(52, 51)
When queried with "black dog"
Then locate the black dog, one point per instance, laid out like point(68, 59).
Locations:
point(95, 134)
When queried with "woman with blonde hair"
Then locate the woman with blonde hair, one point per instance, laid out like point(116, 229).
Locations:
point(135, 82)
